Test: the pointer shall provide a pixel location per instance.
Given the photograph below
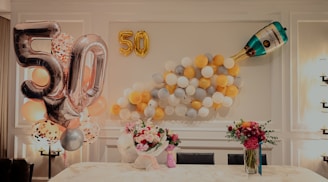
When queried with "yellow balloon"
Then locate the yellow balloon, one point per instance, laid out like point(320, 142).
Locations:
point(201, 61)
point(216, 105)
point(189, 72)
point(40, 76)
point(196, 104)
point(221, 89)
point(171, 88)
point(145, 96)
point(232, 91)
point(204, 83)
point(115, 109)
point(218, 60)
point(214, 67)
point(141, 107)
point(234, 71)
point(135, 97)
point(159, 114)
point(34, 110)
point(221, 80)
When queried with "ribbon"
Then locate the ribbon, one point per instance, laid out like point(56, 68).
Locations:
point(260, 158)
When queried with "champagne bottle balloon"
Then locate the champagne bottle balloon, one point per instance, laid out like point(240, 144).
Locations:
point(266, 40)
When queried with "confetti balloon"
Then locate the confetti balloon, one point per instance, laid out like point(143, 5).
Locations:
point(90, 131)
point(46, 131)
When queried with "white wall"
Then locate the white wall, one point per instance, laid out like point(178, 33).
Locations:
point(272, 87)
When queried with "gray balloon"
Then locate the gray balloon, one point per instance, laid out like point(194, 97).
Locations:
point(154, 93)
point(222, 70)
point(179, 70)
point(72, 139)
point(179, 93)
point(200, 94)
point(209, 57)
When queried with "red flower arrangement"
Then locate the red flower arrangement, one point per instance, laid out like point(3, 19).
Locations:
point(250, 133)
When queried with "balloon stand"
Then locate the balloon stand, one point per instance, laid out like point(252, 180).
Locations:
point(51, 154)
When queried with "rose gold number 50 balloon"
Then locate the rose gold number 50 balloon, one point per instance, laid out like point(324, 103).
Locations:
point(65, 96)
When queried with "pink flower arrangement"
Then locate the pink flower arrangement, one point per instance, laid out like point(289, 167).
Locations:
point(250, 133)
point(146, 135)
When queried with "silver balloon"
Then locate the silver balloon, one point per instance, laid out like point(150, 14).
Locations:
point(72, 139)
point(24, 34)
point(79, 94)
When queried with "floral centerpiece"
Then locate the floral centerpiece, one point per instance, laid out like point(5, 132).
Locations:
point(174, 141)
point(149, 141)
point(251, 134)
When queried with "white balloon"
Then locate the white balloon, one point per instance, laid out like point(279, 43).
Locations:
point(171, 79)
point(231, 79)
point(180, 110)
point(173, 101)
point(135, 115)
point(186, 61)
point(203, 112)
point(149, 112)
point(191, 113)
point(170, 65)
point(207, 102)
point(152, 103)
point(218, 97)
point(183, 81)
point(227, 101)
point(229, 63)
point(125, 114)
point(186, 100)
point(194, 82)
point(123, 102)
point(169, 110)
point(190, 90)
point(207, 71)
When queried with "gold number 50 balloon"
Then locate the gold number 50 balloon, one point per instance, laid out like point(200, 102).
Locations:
point(140, 44)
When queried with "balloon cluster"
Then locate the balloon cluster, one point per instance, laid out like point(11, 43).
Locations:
point(190, 89)
point(65, 86)
point(194, 87)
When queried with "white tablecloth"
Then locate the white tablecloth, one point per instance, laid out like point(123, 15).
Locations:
point(125, 172)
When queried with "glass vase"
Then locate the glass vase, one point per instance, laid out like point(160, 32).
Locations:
point(251, 160)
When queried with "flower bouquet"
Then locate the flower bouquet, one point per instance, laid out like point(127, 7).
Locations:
point(251, 134)
point(174, 141)
point(149, 140)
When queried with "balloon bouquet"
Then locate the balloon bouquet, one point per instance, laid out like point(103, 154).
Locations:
point(195, 87)
point(65, 88)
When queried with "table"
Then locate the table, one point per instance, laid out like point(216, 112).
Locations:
point(125, 172)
